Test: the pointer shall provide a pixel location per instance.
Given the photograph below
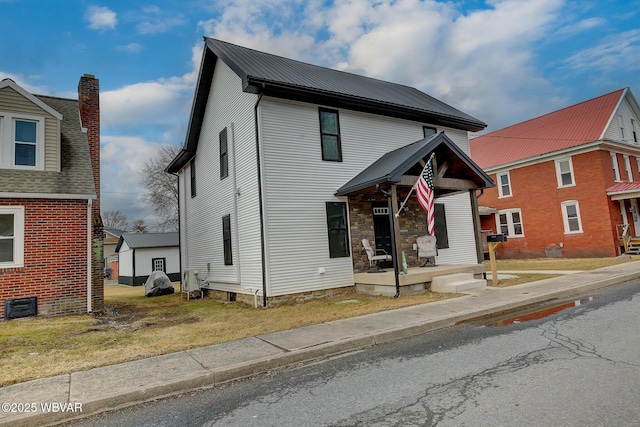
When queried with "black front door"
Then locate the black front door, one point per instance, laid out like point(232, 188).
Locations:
point(381, 227)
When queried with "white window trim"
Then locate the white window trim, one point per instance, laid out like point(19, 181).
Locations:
point(616, 168)
point(500, 195)
point(559, 172)
point(510, 227)
point(621, 125)
point(8, 143)
point(565, 218)
point(627, 166)
point(18, 235)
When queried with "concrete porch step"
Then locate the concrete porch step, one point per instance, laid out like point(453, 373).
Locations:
point(455, 283)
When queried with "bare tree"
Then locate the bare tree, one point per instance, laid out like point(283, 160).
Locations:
point(114, 219)
point(139, 226)
point(162, 187)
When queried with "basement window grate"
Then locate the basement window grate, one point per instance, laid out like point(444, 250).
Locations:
point(20, 307)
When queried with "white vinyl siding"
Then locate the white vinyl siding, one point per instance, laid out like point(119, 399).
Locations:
point(125, 261)
point(462, 246)
point(145, 257)
point(201, 234)
point(622, 120)
point(298, 184)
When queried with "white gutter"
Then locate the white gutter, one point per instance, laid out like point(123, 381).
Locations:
point(46, 196)
point(89, 257)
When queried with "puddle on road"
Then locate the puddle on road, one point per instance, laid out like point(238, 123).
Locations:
point(542, 313)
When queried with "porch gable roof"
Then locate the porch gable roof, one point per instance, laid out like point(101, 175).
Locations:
point(391, 167)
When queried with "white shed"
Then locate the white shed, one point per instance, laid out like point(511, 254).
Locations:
point(142, 253)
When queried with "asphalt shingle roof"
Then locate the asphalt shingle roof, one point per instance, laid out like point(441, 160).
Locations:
point(75, 177)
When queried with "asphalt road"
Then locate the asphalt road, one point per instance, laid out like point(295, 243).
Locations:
point(577, 366)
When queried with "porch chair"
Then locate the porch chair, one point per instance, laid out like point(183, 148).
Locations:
point(373, 258)
point(427, 249)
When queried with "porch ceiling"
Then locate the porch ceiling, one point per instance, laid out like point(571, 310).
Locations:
point(456, 170)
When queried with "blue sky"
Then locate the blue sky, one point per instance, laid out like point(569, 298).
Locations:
point(502, 61)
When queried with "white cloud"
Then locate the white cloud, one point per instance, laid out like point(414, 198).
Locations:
point(130, 48)
point(121, 158)
point(153, 20)
point(612, 53)
point(101, 18)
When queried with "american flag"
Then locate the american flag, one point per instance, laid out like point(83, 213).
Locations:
point(424, 190)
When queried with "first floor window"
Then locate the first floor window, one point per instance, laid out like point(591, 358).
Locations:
point(11, 236)
point(226, 238)
point(337, 229)
point(440, 227)
point(571, 216)
point(158, 264)
point(510, 222)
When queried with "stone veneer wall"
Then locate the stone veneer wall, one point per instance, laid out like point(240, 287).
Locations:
point(413, 223)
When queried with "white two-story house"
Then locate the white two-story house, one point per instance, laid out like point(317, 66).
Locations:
point(287, 166)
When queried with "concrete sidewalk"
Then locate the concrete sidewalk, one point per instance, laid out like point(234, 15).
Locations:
point(52, 400)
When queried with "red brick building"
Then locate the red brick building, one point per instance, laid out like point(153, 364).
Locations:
point(568, 182)
point(51, 258)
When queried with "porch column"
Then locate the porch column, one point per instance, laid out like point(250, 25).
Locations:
point(477, 229)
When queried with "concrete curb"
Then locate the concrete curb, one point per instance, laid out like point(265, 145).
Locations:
point(117, 386)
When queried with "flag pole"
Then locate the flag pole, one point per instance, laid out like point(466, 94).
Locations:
point(413, 187)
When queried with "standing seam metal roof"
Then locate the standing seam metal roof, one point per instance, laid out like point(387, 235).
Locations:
point(569, 127)
point(149, 240)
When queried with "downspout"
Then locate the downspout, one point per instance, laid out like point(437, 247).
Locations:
point(179, 229)
point(89, 255)
point(394, 250)
point(262, 231)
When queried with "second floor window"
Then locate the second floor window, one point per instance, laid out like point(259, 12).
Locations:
point(504, 184)
point(192, 170)
point(564, 172)
point(614, 165)
point(330, 135)
point(224, 155)
point(21, 142)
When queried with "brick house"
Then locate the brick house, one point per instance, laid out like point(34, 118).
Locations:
point(50, 227)
point(287, 166)
point(568, 182)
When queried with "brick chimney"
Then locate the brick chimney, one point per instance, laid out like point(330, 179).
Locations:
point(89, 105)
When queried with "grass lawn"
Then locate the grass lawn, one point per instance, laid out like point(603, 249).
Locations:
point(132, 326)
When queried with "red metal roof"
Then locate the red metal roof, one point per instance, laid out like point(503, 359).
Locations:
point(622, 187)
point(572, 126)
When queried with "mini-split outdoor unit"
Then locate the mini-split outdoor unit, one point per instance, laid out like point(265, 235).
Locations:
point(190, 280)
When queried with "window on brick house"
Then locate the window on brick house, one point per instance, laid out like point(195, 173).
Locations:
point(11, 236)
point(571, 217)
point(627, 168)
point(614, 164)
point(504, 184)
point(510, 222)
point(21, 141)
point(564, 172)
